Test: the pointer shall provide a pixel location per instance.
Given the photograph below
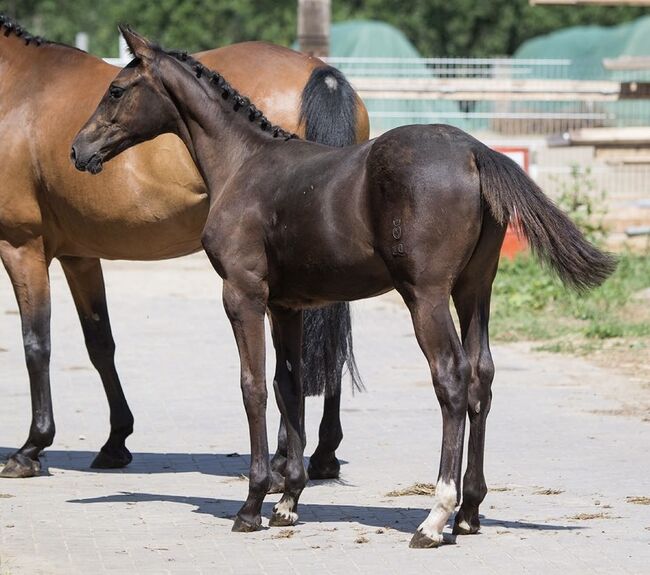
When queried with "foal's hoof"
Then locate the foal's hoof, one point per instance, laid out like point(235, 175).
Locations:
point(463, 526)
point(243, 526)
point(19, 466)
point(109, 458)
point(422, 541)
point(277, 483)
point(324, 468)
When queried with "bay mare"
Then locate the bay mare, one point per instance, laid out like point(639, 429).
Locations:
point(151, 205)
point(294, 224)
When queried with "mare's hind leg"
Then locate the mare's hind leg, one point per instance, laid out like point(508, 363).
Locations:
point(472, 300)
point(86, 283)
point(450, 371)
point(246, 310)
point(287, 336)
point(27, 267)
point(323, 463)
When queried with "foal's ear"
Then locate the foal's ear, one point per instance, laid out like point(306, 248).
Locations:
point(140, 47)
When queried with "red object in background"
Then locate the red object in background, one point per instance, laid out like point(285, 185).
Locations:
point(513, 243)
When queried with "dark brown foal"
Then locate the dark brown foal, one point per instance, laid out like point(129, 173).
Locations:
point(293, 224)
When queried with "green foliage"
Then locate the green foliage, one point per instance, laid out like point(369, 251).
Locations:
point(530, 304)
point(584, 204)
point(436, 27)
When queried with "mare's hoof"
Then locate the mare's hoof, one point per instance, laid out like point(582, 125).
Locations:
point(422, 541)
point(242, 526)
point(326, 468)
point(283, 519)
point(112, 458)
point(277, 483)
point(19, 466)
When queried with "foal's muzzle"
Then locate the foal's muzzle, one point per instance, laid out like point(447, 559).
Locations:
point(92, 164)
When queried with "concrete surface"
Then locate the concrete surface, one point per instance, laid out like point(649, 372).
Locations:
point(553, 426)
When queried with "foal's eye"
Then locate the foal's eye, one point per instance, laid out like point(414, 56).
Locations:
point(116, 92)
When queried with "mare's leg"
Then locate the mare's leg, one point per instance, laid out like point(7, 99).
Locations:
point(450, 370)
point(27, 267)
point(246, 310)
point(323, 464)
point(86, 283)
point(287, 337)
point(472, 300)
point(327, 348)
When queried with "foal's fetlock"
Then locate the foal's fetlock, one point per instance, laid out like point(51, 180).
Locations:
point(284, 513)
point(20, 466)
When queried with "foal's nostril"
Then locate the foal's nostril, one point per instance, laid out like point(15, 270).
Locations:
point(73, 154)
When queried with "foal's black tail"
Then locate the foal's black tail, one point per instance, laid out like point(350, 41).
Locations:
point(552, 236)
point(328, 111)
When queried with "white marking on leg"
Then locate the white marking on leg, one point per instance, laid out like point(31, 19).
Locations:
point(284, 508)
point(444, 504)
point(464, 525)
point(289, 366)
point(477, 409)
point(96, 317)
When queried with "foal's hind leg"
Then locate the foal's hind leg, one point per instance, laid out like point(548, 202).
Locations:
point(287, 335)
point(450, 370)
point(86, 283)
point(27, 267)
point(472, 299)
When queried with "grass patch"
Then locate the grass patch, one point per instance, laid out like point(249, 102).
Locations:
point(529, 303)
point(415, 489)
point(549, 491)
point(638, 500)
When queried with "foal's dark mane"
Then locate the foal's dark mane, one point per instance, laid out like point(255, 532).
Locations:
point(9, 26)
point(227, 92)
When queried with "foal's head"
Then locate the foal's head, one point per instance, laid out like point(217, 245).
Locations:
point(135, 108)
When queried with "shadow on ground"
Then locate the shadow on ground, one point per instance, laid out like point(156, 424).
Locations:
point(218, 464)
point(404, 519)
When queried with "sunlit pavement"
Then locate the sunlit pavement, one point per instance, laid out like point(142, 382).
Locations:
point(561, 464)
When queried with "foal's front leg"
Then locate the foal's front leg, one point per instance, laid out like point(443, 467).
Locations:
point(287, 336)
point(246, 311)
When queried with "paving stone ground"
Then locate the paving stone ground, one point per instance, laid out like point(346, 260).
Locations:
point(170, 511)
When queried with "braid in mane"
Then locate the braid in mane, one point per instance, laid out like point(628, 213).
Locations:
point(227, 92)
point(9, 26)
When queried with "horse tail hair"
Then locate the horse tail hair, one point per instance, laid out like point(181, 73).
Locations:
point(554, 239)
point(328, 112)
point(328, 108)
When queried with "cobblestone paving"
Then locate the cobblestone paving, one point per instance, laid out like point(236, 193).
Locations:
point(560, 466)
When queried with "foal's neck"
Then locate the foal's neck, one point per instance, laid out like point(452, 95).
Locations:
point(219, 138)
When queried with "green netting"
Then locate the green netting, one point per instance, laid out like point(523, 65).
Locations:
point(373, 39)
point(588, 46)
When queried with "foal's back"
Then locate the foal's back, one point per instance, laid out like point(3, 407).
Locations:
point(337, 224)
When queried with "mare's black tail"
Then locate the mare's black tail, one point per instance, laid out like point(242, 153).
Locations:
point(328, 111)
point(551, 234)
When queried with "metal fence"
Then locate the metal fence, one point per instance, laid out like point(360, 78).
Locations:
point(504, 96)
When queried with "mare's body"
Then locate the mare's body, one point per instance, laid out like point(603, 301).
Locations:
point(152, 204)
